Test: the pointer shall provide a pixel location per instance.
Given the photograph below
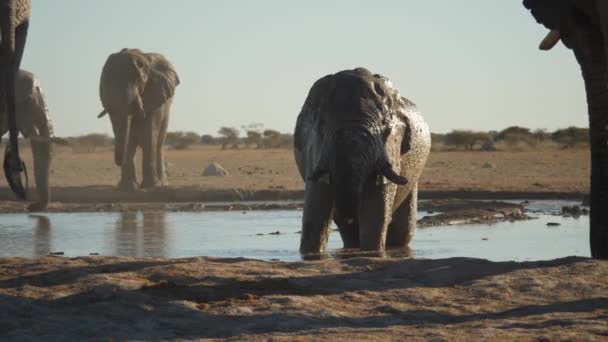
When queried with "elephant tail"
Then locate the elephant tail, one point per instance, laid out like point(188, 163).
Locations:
point(103, 112)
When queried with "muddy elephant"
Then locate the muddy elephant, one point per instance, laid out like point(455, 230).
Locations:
point(34, 123)
point(14, 23)
point(360, 147)
point(136, 90)
point(582, 25)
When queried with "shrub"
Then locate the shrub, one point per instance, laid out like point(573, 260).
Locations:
point(229, 136)
point(571, 136)
point(466, 139)
point(181, 140)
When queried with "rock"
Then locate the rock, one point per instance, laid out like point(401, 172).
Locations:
point(56, 253)
point(553, 224)
point(488, 166)
point(215, 169)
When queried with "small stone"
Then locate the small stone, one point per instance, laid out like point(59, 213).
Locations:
point(56, 253)
point(93, 253)
point(275, 233)
point(488, 166)
point(553, 224)
point(215, 169)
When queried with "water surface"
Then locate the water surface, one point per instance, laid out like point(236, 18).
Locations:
point(235, 234)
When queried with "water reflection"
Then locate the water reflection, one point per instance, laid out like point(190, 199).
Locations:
point(405, 252)
point(42, 235)
point(145, 238)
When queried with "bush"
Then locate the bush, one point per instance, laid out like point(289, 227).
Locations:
point(90, 142)
point(229, 136)
point(466, 139)
point(207, 139)
point(181, 140)
point(571, 136)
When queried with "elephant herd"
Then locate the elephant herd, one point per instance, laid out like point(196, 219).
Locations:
point(359, 146)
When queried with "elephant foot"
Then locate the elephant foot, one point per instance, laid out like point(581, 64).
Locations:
point(146, 184)
point(127, 186)
point(37, 206)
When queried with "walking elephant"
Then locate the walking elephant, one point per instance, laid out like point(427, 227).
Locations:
point(582, 25)
point(136, 90)
point(360, 148)
point(34, 123)
point(14, 23)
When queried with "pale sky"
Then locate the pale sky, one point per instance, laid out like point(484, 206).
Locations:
point(469, 64)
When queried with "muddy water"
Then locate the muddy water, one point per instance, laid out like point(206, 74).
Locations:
point(254, 235)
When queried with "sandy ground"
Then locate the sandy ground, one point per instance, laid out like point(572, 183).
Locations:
point(124, 298)
point(354, 299)
point(269, 175)
point(252, 169)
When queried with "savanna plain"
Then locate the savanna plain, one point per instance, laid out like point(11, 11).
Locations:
point(361, 298)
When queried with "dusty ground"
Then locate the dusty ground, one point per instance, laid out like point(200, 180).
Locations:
point(272, 175)
point(354, 299)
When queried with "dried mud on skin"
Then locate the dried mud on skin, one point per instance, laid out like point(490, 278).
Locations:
point(123, 298)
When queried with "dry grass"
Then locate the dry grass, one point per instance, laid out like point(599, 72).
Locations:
point(529, 171)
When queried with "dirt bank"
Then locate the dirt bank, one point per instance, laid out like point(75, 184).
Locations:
point(124, 298)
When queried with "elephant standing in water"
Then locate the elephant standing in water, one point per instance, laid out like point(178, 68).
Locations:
point(34, 123)
point(582, 25)
point(14, 23)
point(136, 90)
point(360, 148)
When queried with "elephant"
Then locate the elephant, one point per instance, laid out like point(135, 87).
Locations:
point(14, 23)
point(136, 90)
point(34, 123)
point(582, 25)
point(360, 148)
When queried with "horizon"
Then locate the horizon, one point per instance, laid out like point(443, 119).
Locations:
point(267, 56)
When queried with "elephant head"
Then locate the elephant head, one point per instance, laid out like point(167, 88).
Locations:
point(133, 83)
point(582, 25)
point(360, 147)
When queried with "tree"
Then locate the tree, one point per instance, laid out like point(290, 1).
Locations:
point(465, 138)
point(515, 134)
point(208, 139)
point(254, 134)
point(571, 136)
point(181, 140)
point(230, 136)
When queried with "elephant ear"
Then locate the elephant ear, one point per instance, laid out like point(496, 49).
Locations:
point(406, 142)
point(160, 86)
point(309, 119)
point(25, 86)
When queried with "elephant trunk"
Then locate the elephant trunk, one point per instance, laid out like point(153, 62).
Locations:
point(352, 158)
point(122, 140)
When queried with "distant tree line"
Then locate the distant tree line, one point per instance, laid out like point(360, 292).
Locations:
point(514, 137)
point(255, 136)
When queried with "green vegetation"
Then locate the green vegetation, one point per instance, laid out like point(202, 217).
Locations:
point(513, 138)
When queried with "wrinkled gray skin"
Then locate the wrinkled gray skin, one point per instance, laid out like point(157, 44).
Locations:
point(14, 23)
point(582, 25)
point(136, 90)
point(360, 148)
point(33, 122)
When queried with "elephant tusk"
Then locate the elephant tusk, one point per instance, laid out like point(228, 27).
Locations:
point(103, 112)
point(550, 40)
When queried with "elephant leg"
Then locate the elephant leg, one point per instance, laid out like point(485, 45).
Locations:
point(349, 230)
point(160, 158)
point(128, 179)
point(375, 215)
point(41, 151)
point(403, 225)
point(317, 216)
point(150, 153)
